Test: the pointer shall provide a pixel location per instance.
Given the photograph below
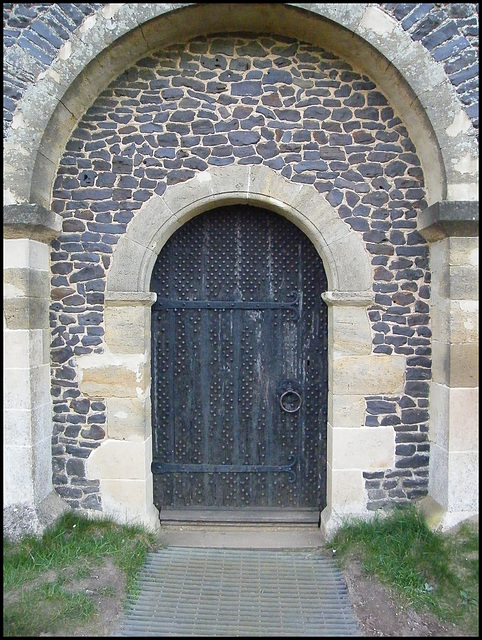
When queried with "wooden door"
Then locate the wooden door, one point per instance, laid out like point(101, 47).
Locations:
point(239, 365)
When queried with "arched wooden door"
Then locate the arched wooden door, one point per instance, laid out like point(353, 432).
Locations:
point(239, 369)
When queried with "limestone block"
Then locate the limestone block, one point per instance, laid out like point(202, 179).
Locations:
point(24, 348)
point(143, 14)
point(61, 124)
point(130, 502)
point(439, 426)
point(347, 14)
point(17, 427)
point(120, 460)
point(128, 419)
point(17, 475)
point(455, 365)
point(265, 182)
point(464, 321)
point(27, 389)
point(367, 375)
point(463, 493)
point(26, 427)
point(351, 263)
point(464, 420)
point(127, 328)
point(439, 260)
point(108, 375)
point(463, 191)
point(351, 332)
point(42, 468)
point(464, 251)
point(464, 365)
point(377, 23)
point(454, 418)
point(438, 474)
point(348, 491)
point(464, 283)
point(128, 266)
point(24, 253)
point(26, 313)
point(194, 196)
point(306, 201)
point(366, 449)
point(440, 319)
point(25, 282)
point(118, 55)
point(150, 224)
point(347, 411)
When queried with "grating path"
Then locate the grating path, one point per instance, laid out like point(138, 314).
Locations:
point(237, 592)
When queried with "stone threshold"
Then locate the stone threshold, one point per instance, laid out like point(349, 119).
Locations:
point(237, 536)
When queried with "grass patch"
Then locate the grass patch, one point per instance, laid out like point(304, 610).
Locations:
point(438, 571)
point(39, 573)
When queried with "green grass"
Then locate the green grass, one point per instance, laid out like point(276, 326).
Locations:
point(430, 570)
point(39, 572)
point(439, 572)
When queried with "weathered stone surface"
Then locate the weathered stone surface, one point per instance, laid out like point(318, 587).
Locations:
point(444, 219)
point(127, 328)
point(30, 221)
point(120, 460)
point(126, 419)
point(368, 375)
point(364, 449)
point(26, 313)
point(109, 376)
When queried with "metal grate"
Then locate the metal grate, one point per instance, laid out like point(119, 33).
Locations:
point(233, 592)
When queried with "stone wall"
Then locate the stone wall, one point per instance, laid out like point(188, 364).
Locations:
point(215, 102)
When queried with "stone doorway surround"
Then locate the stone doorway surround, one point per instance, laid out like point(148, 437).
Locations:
point(122, 373)
point(427, 101)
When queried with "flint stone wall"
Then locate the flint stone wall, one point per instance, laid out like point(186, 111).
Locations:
point(303, 113)
point(449, 31)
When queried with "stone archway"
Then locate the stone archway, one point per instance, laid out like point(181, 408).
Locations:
point(122, 373)
point(108, 42)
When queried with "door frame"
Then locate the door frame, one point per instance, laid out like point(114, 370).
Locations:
point(122, 462)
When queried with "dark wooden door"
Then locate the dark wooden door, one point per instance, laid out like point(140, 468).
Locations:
point(239, 365)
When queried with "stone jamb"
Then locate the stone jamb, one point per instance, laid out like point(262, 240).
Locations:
point(121, 376)
point(451, 228)
point(30, 502)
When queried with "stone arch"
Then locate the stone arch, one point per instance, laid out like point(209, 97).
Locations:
point(118, 35)
point(107, 43)
point(346, 260)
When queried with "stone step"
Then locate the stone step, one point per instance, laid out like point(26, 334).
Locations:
point(232, 536)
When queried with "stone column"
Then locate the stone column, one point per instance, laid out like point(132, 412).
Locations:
point(121, 376)
point(30, 503)
point(354, 373)
point(452, 230)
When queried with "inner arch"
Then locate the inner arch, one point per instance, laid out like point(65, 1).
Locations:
point(346, 261)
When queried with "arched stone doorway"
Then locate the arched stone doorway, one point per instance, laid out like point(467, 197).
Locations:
point(123, 462)
point(36, 141)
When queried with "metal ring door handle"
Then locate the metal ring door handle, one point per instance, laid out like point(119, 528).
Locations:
point(296, 397)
